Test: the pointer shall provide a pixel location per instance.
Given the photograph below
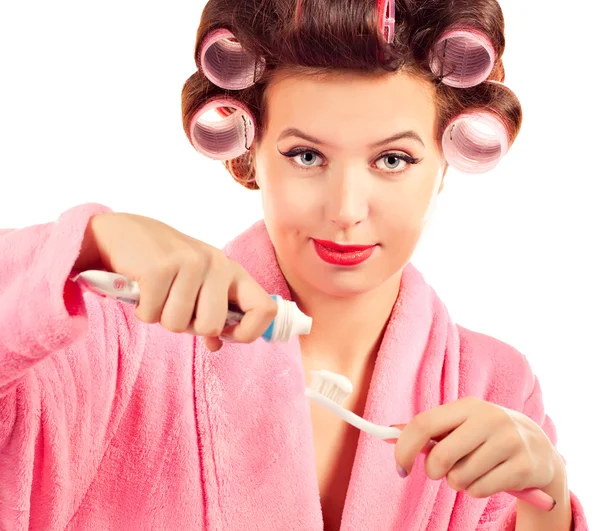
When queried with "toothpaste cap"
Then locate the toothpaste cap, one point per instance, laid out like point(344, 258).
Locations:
point(289, 322)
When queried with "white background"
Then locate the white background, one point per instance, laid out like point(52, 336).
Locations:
point(90, 111)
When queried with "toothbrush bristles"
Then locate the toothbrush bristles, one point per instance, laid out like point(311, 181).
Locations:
point(331, 385)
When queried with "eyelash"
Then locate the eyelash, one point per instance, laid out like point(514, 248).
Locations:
point(300, 151)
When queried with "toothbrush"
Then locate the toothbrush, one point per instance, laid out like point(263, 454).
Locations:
point(330, 389)
point(288, 322)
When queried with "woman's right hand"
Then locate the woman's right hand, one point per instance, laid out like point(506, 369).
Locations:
point(185, 284)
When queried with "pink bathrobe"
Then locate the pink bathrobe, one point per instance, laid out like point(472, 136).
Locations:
point(110, 424)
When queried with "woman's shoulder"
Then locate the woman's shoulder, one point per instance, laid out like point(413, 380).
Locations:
point(493, 370)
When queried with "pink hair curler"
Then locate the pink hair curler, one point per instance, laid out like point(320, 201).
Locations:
point(463, 58)
point(227, 64)
point(475, 142)
point(386, 12)
point(226, 138)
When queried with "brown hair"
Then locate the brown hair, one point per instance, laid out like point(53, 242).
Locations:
point(343, 35)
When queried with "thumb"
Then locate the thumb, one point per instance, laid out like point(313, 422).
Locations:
point(400, 427)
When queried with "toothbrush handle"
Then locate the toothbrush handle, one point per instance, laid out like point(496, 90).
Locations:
point(123, 289)
point(533, 496)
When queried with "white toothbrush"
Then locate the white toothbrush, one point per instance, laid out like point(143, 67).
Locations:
point(330, 389)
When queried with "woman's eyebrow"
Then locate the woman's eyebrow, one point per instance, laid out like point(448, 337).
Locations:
point(293, 131)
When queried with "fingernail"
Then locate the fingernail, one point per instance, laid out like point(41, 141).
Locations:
point(401, 472)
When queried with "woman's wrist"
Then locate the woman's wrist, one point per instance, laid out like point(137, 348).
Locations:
point(530, 518)
point(89, 257)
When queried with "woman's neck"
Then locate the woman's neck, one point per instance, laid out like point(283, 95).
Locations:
point(346, 331)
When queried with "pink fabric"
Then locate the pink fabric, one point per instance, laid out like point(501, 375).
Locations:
point(109, 423)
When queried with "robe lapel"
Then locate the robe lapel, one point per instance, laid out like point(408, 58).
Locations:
point(416, 369)
point(254, 421)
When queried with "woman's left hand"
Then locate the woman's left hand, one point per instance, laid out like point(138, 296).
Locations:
point(482, 448)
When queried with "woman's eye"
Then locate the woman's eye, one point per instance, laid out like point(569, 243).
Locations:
point(393, 162)
point(306, 158)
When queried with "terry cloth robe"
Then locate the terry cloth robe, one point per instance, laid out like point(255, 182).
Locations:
point(111, 424)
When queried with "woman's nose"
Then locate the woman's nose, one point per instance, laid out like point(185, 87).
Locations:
point(347, 198)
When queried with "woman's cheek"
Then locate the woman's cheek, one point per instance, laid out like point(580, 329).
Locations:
point(292, 204)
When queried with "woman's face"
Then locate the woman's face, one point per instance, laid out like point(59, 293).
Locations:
point(352, 160)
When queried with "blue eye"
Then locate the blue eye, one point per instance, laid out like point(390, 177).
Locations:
point(395, 162)
point(305, 158)
point(391, 162)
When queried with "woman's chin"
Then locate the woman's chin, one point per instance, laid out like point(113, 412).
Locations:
point(345, 284)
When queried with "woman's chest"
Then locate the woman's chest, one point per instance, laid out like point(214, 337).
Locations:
point(335, 444)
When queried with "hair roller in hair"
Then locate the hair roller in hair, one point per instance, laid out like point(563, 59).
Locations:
point(475, 142)
point(386, 12)
point(225, 138)
point(226, 64)
point(463, 58)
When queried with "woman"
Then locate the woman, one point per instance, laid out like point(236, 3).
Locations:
point(345, 115)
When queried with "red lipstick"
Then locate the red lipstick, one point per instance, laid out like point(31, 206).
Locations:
point(342, 255)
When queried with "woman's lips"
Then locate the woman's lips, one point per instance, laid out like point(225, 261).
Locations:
point(342, 255)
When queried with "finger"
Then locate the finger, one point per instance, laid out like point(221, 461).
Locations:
point(154, 289)
point(508, 475)
point(179, 307)
point(258, 307)
point(416, 435)
point(427, 447)
point(453, 448)
point(476, 464)
point(213, 344)
point(400, 427)
point(211, 308)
